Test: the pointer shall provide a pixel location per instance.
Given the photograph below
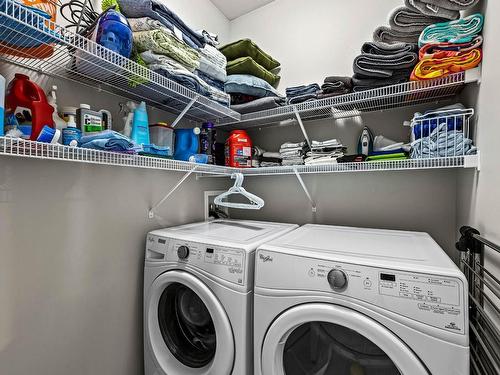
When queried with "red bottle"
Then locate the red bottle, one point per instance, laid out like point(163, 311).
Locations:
point(22, 92)
point(238, 150)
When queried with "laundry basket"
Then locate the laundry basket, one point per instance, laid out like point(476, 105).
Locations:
point(442, 133)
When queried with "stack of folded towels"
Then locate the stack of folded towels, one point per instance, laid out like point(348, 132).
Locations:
point(324, 152)
point(449, 47)
point(252, 77)
point(169, 47)
point(382, 64)
point(293, 153)
point(334, 86)
point(262, 158)
point(301, 94)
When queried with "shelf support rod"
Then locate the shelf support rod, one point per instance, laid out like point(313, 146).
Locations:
point(151, 213)
point(301, 124)
point(304, 187)
point(184, 111)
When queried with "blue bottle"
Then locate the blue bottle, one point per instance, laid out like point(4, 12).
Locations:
point(140, 126)
point(186, 143)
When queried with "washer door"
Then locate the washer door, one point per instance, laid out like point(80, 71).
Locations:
point(322, 339)
point(188, 331)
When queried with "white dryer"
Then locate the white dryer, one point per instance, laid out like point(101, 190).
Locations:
point(198, 293)
point(349, 301)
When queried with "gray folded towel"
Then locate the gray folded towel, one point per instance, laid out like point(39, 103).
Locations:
point(388, 35)
point(361, 83)
point(381, 60)
point(452, 4)
point(432, 10)
point(335, 85)
point(261, 104)
point(410, 20)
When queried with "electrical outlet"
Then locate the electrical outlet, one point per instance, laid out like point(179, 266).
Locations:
point(209, 197)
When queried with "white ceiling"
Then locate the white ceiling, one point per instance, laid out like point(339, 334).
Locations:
point(236, 8)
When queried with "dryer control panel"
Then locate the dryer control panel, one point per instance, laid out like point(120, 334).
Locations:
point(433, 300)
point(223, 262)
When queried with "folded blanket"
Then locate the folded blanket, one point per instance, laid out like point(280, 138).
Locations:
point(302, 99)
point(386, 49)
point(219, 85)
point(157, 10)
point(389, 157)
point(247, 65)
point(302, 90)
point(432, 10)
point(212, 70)
point(107, 140)
point(382, 64)
point(261, 104)
point(441, 50)
point(442, 143)
point(388, 35)
point(451, 4)
point(463, 30)
point(423, 124)
point(213, 55)
point(164, 43)
point(336, 86)
point(362, 84)
point(409, 20)
point(437, 68)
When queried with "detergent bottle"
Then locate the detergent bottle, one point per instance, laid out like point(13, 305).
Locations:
point(186, 143)
point(140, 125)
point(22, 92)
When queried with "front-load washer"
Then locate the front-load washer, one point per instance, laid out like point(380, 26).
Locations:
point(198, 294)
point(350, 301)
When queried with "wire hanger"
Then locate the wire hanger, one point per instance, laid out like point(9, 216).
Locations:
point(256, 203)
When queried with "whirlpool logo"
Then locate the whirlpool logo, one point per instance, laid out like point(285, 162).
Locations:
point(265, 258)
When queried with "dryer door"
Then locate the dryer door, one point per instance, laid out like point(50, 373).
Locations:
point(187, 329)
point(323, 339)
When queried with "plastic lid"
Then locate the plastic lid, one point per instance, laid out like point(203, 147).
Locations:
point(196, 131)
point(84, 106)
point(69, 110)
point(71, 121)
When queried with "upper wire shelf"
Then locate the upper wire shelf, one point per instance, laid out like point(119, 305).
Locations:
point(354, 104)
point(67, 55)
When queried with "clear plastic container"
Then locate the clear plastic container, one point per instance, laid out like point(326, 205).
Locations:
point(162, 135)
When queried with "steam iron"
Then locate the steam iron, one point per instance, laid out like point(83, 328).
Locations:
point(365, 143)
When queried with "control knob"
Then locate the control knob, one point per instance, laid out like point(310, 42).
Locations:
point(337, 279)
point(183, 252)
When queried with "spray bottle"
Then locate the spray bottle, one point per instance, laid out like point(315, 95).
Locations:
point(52, 100)
point(140, 125)
point(128, 110)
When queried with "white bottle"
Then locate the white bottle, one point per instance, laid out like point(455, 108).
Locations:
point(129, 118)
point(52, 100)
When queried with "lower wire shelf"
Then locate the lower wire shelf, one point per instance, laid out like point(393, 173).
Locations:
point(37, 150)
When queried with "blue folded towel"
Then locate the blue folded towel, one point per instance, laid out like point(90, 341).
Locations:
point(107, 140)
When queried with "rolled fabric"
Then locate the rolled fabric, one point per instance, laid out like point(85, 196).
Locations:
point(441, 50)
point(463, 30)
point(387, 35)
point(451, 4)
point(436, 68)
point(432, 10)
point(386, 49)
point(363, 84)
point(383, 66)
point(410, 20)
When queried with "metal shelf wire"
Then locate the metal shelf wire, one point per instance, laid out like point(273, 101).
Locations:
point(79, 59)
point(37, 150)
point(354, 104)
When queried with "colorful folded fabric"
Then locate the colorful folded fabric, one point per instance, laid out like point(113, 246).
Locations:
point(437, 68)
point(463, 30)
point(441, 50)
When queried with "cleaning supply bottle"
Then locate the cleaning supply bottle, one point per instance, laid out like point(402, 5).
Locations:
point(186, 143)
point(22, 92)
point(71, 134)
point(238, 150)
point(52, 100)
point(2, 103)
point(140, 125)
point(128, 109)
point(207, 141)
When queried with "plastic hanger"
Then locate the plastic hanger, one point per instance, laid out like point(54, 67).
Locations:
point(256, 203)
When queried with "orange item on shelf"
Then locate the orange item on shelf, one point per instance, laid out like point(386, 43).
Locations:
point(238, 150)
point(40, 52)
point(433, 68)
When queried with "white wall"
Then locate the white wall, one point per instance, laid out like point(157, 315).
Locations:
point(313, 39)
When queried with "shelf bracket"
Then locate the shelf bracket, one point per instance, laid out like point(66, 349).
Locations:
point(301, 124)
point(304, 187)
point(184, 111)
point(151, 213)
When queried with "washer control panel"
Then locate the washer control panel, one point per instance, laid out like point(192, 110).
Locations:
point(223, 262)
point(435, 301)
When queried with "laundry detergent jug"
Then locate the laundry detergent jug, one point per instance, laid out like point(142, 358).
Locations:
point(22, 92)
point(186, 143)
point(238, 150)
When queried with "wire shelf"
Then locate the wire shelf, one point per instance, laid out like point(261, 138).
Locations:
point(76, 58)
point(354, 104)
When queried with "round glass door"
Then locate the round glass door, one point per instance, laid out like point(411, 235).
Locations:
point(321, 348)
point(187, 326)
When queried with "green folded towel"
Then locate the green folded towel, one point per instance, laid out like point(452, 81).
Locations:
point(247, 65)
point(247, 48)
point(462, 30)
point(388, 157)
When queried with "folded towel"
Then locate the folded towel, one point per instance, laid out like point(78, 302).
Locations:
point(302, 98)
point(107, 140)
point(389, 35)
point(210, 69)
point(437, 68)
point(361, 83)
point(165, 43)
point(289, 145)
point(409, 20)
point(443, 143)
point(302, 90)
point(463, 30)
point(451, 4)
point(157, 10)
point(219, 85)
point(432, 10)
point(381, 63)
point(213, 55)
point(336, 86)
point(261, 104)
point(441, 50)
point(387, 157)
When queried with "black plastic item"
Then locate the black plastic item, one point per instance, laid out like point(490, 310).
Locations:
point(207, 141)
point(467, 242)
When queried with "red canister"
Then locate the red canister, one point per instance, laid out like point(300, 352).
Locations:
point(238, 150)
